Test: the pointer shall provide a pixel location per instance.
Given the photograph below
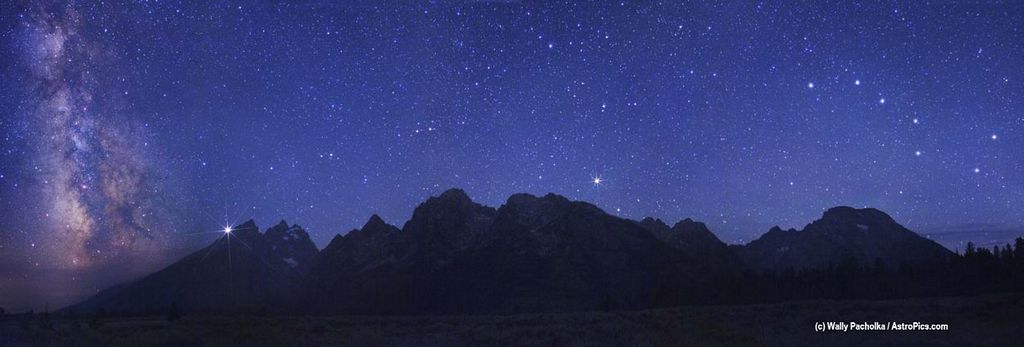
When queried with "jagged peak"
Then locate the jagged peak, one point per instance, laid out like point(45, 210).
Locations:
point(694, 228)
point(246, 229)
point(280, 227)
point(373, 226)
point(654, 223)
point(652, 220)
point(249, 224)
point(374, 220)
point(376, 223)
point(338, 239)
point(283, 227)
point(297, 229)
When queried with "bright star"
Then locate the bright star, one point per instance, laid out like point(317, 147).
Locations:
point(917, 153)
point(994, 136)
point(597, 180)
point(881, 101)
point(857, 82)
point(227, 229)
point(810, 84)
point(977, 170)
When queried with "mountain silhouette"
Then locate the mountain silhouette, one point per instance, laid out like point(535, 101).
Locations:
point(695, 239)
point(531, 254)
point(243, 271)
point(843, 234)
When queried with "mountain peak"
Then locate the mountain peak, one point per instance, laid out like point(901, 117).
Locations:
point(280, 227)
point(548, 204)
point(374, 226)
point(374, 222)
point(690, 224)
point(842, 233)
point(526, 199)
point(249, 224)
point(455, 194)
point(287, 243)
point(654, 224)
point(247, 229)
point(847, 213)
point(283, 229)
point(337, 239)
point(451, 200)
point(652, 220)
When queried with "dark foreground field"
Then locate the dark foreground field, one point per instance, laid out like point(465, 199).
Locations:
point(992, 320)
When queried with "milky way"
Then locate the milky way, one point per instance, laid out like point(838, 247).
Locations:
point(93, 164)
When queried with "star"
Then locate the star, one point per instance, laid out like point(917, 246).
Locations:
point(227, 229)
point(881, 101)
point(810, 85)
point(597, 180)
point(994, 136)
point(977, 170)
point(917, 153)
point(856, 82)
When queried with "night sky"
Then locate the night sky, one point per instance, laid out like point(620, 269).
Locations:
point(127, 130)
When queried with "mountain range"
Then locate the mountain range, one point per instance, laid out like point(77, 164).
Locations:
point(532, 254)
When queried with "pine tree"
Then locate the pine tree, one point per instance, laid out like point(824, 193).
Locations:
point(1018, 248)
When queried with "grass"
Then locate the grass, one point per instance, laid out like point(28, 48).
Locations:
point(982, 320)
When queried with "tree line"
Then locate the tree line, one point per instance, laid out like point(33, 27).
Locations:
point(975, 271)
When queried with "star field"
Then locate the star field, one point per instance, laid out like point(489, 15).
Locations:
point(127, 128)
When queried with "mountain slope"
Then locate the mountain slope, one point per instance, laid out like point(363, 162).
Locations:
point(564, 255)
point(842, 234)
point(695, 239)
point(288, 244)
point(244, 271)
